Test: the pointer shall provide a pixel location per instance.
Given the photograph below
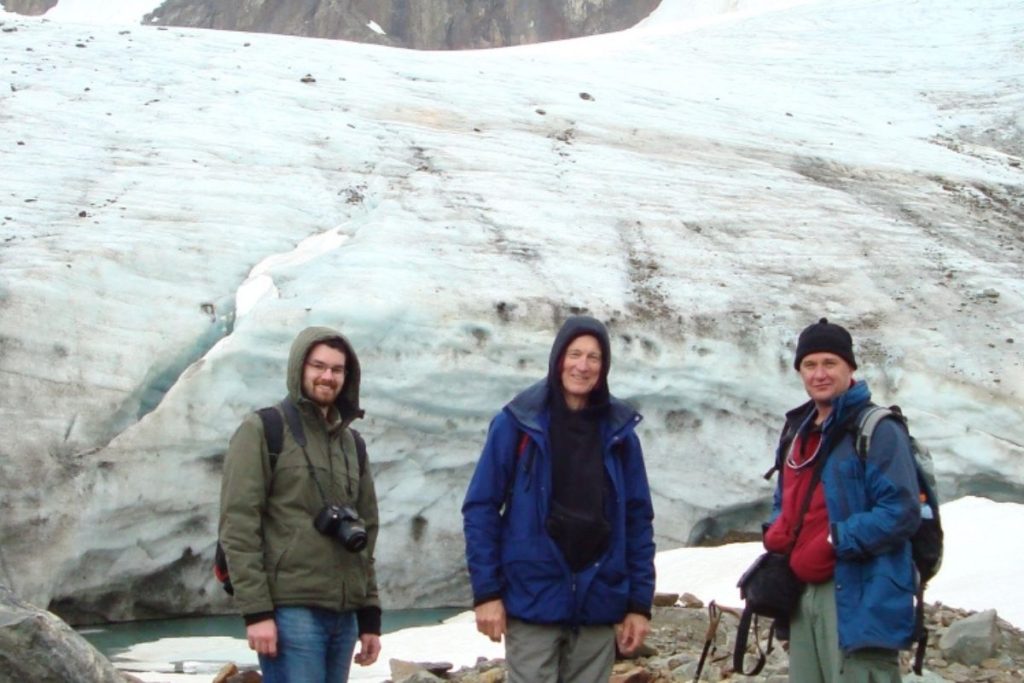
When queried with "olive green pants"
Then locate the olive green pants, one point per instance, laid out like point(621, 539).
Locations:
point(814, 654)
point(541, 653)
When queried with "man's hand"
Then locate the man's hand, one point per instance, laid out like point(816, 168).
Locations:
point(490, 619)
point(369, 649)
point(631, 633)
point(263, 637)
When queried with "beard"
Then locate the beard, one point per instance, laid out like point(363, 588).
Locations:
point(324, 394)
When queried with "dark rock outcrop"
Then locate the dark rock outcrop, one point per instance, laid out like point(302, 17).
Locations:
point(35, 645)
point(427, 25)
point(32, 8)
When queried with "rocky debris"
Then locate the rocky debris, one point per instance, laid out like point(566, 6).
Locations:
point(972, 640)
point(418, 672)
point(35, 645)
point(225, 673)
point(963, 647)
point(690, 600)
point(246, 677)
point(665, 599)
point(630, 673)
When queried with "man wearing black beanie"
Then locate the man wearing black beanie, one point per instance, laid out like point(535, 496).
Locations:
point(851, 544)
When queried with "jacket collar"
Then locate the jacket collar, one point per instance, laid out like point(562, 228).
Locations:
point(530, 409)
point(844, 406)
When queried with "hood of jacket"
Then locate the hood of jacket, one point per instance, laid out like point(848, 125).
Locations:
point(347, 402)
point(578, 326)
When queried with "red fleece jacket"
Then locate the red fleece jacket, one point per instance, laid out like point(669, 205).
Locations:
point(812, 557)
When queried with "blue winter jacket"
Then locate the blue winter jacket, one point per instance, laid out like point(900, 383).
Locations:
point(510, 554)
point(873, 509)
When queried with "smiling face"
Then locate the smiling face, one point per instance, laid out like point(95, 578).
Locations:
point(825, 376)
point(581, 370)
point(323, 375)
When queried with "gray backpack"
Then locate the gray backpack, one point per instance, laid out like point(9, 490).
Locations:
point(926, 543)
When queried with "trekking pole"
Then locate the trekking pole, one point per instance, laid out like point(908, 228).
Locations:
point(714, 616)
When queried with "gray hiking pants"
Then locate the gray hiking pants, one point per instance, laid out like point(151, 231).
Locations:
point(541, 653)
point(814, 654)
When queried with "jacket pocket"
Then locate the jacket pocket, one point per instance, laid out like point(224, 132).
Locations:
point(607, 598)
point(537, 586)
point(304, 566)
point(891, 613)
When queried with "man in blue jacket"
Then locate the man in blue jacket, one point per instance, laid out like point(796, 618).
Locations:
point(558, 521)
point(852, 545)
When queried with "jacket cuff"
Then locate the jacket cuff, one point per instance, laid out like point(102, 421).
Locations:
point(255, 617)
point(637, 608)
point(368, 619)
point(486, 598)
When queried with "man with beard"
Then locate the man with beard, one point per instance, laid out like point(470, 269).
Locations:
point(302, 574)
point(558, 521)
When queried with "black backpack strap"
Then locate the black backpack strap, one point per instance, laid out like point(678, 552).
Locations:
point(294, 420)
point(360, 451)
point(816, 475)
point(273, 432)
point(785, 438)
point(920, 631)
point(273, 435)
point(741, 644)
point(805, 504)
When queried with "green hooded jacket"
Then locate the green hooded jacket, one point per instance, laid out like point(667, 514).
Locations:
point(275, 555)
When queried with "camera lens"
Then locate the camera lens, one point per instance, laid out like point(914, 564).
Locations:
point(355, 540)
point(351, 531)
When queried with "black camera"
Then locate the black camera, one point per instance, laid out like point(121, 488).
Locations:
point(343, 523)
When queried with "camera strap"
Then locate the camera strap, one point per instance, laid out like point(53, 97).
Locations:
point(294, 420)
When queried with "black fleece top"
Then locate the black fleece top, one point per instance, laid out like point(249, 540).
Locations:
point(577, 522)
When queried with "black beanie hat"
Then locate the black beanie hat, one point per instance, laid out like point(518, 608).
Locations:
point(825, 336)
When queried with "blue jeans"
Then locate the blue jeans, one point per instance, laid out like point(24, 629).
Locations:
point(313, 646)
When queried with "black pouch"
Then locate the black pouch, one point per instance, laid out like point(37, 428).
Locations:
point(581, 538)
point(770, 589)
point(769, 586)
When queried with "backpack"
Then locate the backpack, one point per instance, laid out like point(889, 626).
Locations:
point(273, 434)
point(927, 542)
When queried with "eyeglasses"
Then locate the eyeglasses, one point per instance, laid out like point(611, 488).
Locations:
point(320, 368)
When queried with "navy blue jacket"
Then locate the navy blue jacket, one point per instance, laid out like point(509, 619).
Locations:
point(510, 554)
point(873, 509)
